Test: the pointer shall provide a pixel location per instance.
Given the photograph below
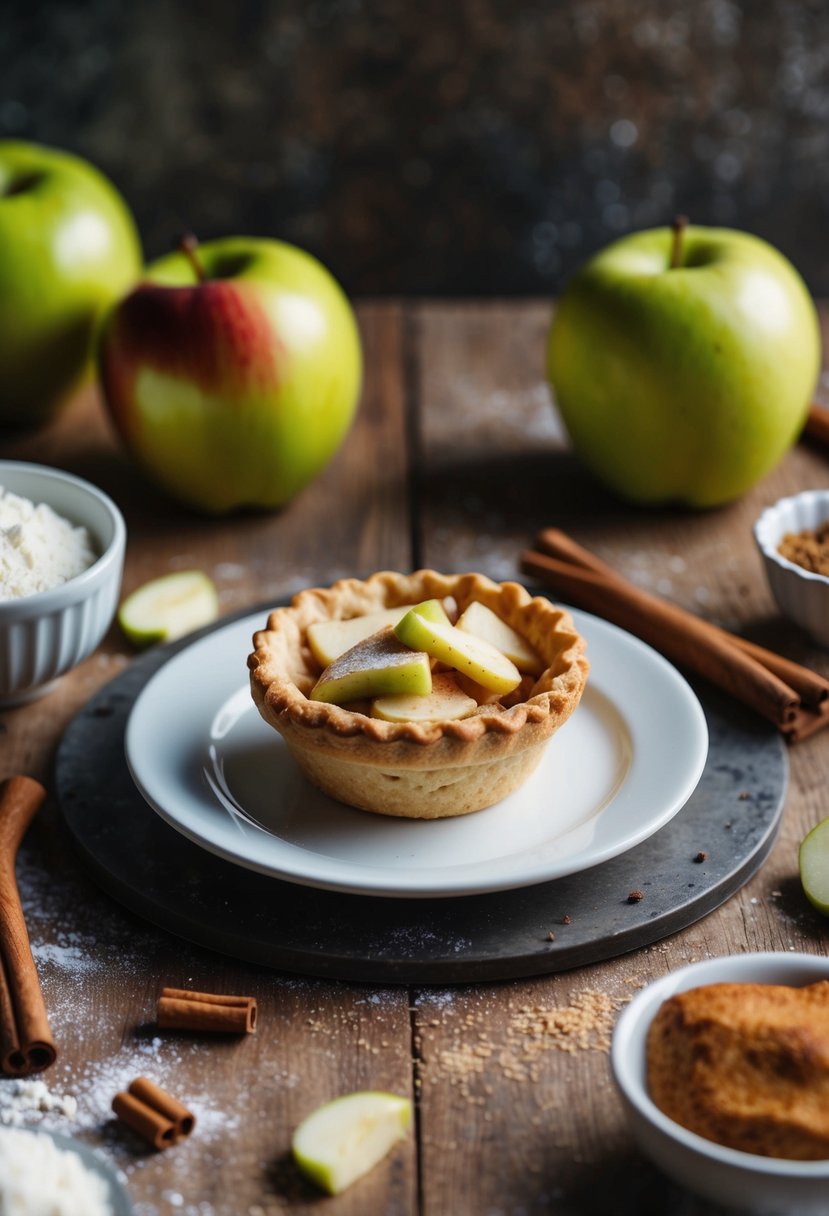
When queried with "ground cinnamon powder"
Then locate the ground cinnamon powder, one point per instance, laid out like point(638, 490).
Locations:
point(809, 549)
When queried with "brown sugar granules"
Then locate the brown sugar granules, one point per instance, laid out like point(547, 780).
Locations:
point(809, 549)
point(583, 1025)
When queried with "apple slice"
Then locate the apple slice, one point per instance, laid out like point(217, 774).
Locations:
point(466, 653)
point(329, 639)
point(446, 700)
point(378, 666)
point(486, 624)
point(169, 607)
point(814, 866)
point(342, 1140)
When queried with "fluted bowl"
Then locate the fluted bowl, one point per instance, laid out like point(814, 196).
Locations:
point(46, 634)
point(801, 595)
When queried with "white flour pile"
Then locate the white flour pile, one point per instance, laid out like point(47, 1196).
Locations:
point(39, 549)
point(39, 1179)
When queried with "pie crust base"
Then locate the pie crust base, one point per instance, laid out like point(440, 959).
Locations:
point(416, 770)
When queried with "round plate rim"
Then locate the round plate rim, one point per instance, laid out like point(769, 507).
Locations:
point(377, 882)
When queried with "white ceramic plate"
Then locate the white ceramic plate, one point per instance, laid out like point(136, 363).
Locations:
point(616, 772)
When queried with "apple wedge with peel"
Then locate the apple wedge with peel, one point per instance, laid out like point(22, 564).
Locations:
point(169, 607)
point(446, 701)
point(813, 860)
point(486, 624)
point(378, 666)
point(470, 655)
point(329, 639)
point(344, 1139)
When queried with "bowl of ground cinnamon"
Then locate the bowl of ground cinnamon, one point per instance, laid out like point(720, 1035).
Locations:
point(793, 539)
point(723, 1070)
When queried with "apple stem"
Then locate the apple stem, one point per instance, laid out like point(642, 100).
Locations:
point(680, 224)
point(189, 245)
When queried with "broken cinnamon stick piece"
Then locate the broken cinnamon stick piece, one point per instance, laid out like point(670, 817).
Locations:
point(179, 1009)
point(26, 1043)
point(155, 1115)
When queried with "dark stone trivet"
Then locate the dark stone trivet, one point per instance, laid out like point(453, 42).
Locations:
point(705, 854)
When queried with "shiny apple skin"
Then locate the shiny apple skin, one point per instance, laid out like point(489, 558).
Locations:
point(684, 385)
point(68, 249)
point(233, 392)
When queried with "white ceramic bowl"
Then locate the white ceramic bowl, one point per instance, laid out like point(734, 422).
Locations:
point(42, 636)
point(801, 595)
point(762, 1185)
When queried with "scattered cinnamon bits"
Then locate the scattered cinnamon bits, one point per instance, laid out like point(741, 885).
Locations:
point(565, 920)
point(586, 1024)
point(635, 896)
point(808, 549)
point(700, 857)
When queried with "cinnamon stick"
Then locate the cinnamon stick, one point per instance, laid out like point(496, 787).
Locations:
point(812, 689)
point(817, 424)
point(155, 1115)
point(798, 705)
point(26, 1043)
point(180, 1009)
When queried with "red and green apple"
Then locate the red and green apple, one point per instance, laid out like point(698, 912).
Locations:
point(69, 250)
point(232, 372)
point(683, 363)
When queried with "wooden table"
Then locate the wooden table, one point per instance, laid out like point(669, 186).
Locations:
point(455, 461)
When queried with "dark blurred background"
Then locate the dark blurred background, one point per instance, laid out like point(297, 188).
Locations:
point(427, 147)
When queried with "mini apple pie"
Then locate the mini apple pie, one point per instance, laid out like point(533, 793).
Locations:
point(422, 695)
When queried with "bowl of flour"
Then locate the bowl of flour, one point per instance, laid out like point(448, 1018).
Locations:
point(62, 544)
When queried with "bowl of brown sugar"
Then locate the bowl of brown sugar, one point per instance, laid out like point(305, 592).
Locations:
point(793, 539)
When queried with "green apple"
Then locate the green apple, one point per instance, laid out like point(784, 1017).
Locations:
point(472, 656)
point(69, 249)
point(378, 666)
point(446, 701)
point(232, 372)
point(342, 1140)
point(814, 866)
point(168, 607)
point(683, 363)
point(486, 624)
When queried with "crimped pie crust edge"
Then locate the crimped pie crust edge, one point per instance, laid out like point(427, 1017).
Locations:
point(282, 672)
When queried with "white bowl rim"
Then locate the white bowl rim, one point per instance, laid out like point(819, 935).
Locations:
point(769, 548)
point(54, 597)
point(668, 985)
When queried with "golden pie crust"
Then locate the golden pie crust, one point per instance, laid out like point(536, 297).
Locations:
point(416, 770)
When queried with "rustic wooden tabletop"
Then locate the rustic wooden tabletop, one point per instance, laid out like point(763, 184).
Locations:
point(456, 460)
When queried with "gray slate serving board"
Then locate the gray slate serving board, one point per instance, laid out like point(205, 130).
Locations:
point(732, 818)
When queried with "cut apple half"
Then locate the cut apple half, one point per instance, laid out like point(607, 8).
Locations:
point(814, 866)
point(446, 701)
point(486, 624)
point(470, 655)
point(378, 666)
point(344, 1139)
point(169, 607)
